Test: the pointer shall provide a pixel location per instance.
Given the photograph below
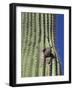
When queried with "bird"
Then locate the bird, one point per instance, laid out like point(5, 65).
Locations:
point(48, 52)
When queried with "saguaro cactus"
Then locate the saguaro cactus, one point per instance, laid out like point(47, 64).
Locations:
point(37, 33)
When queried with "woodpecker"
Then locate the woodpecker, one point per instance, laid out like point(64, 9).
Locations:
point(48, 53)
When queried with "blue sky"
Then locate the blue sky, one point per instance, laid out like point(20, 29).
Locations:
point(60, 38)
